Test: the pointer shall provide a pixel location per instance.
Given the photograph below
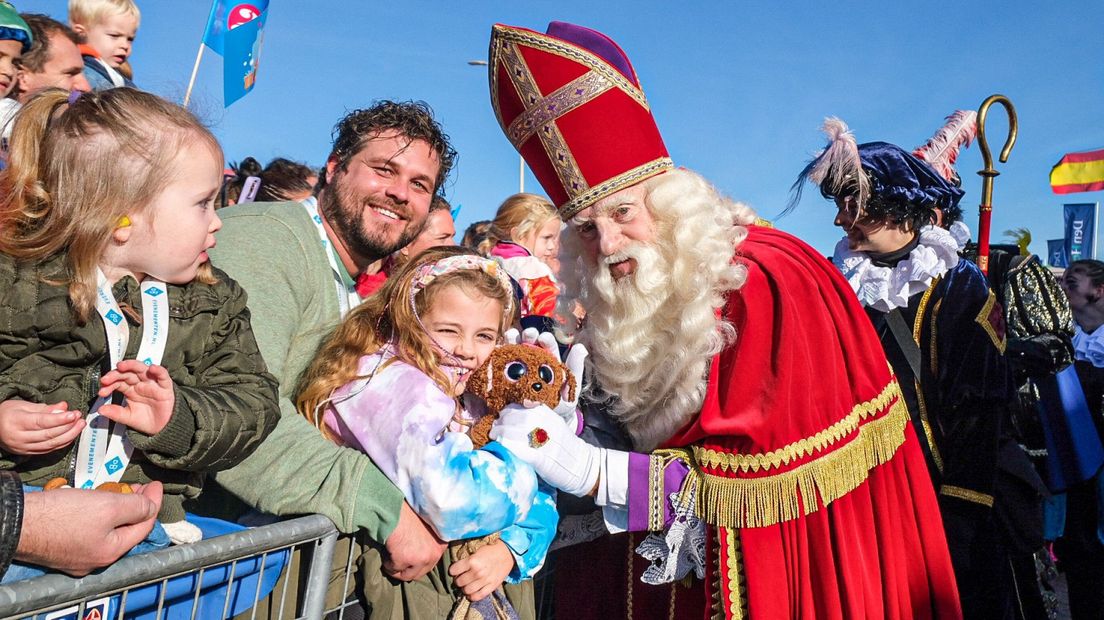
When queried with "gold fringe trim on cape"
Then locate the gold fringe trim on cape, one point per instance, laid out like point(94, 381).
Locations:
point(767, 500)
point(727, 461)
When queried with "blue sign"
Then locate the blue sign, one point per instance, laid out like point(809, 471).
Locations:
point(1080, 231)
point(1056, 253)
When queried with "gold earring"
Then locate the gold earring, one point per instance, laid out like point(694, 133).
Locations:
point(124, 222)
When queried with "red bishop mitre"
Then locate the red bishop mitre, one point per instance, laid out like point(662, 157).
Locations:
point(571, 104)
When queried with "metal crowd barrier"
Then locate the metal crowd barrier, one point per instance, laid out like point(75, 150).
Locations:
point(219, 577)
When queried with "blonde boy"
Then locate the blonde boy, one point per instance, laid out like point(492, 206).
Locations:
point(108, 28)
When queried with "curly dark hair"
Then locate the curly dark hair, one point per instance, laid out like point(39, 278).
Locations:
point(909, 215)
point(413, 119)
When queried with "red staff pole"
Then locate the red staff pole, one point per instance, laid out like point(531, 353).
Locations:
point(989, 172)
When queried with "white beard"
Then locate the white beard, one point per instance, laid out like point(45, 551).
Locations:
point(635, 334)
point(652, 333)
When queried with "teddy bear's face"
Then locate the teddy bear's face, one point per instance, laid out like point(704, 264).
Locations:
point(523, 374)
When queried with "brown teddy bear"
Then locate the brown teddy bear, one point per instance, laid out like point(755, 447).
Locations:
point(514, 373)
point(517, 373)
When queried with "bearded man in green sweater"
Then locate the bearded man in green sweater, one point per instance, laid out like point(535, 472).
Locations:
point(298, 263)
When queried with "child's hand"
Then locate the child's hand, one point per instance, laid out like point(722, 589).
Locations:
point(30, 428)
point(480, 573)
point(149, 396)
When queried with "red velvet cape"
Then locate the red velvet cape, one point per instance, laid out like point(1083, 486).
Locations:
point(817, 498)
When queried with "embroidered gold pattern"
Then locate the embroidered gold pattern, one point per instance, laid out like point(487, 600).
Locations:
point(716, 610)
point(565, 50)
point(629, 581)
point(1036, 304)
point(671, 602)
point(737, 592)
point(771, 499)
point(567, 169)
point(934, 339)
point(966, 494)
point(925, 425)
point(494, 59)
point(655, 492)
point(983, 319)
point(917, 328)
point(566, 98)
point(520, 75)
point(621, 181)
point(539, 120)
point(918, 323)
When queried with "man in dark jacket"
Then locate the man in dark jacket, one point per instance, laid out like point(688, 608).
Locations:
point(943, 331)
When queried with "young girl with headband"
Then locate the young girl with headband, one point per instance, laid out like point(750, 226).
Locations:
point(126, 357)
point(389, 382)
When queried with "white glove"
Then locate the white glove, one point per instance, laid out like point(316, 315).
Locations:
point(538, 436)
point(576, 362)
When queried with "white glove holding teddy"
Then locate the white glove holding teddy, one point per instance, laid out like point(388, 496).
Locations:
point(539, 436)
point(576, 362)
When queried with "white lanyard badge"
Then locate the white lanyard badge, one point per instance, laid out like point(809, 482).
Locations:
point(347, 298)
point(104, 449)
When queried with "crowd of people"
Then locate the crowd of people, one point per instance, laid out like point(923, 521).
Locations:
point(752, 429)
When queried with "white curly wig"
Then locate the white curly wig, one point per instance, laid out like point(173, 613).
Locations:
point(651, 334)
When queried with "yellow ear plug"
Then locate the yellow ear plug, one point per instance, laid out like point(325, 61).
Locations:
point(123, 222)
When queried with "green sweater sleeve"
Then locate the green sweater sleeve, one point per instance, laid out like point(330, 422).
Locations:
point(274, 253)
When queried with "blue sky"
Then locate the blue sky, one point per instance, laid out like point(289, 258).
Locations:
point(739, 89)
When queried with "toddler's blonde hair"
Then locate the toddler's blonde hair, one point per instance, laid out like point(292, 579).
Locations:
point(92, 12)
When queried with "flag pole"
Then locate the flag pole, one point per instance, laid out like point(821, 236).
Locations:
point(199, 54)
point(1096, 217)
point(195, 70)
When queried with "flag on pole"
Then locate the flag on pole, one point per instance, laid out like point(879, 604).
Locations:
point(1078, 172)
point(235, 31)
point(1080, 239)
point(1056, 253)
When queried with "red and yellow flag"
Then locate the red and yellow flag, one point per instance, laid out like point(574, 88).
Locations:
point(1078, 172)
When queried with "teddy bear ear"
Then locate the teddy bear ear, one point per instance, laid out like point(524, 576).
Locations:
point(482, 380)
point(567, 392)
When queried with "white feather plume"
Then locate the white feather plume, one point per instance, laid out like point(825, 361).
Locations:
point(838, 164)
point(835, 169)
point(942, 149)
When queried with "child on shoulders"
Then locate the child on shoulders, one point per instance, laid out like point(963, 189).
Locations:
point(108, 28)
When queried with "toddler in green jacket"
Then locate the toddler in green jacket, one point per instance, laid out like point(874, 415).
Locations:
point(124, 356)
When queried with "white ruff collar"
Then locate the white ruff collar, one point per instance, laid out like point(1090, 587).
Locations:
point(1089, 347)
point(961, 233)
point(886, 288)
